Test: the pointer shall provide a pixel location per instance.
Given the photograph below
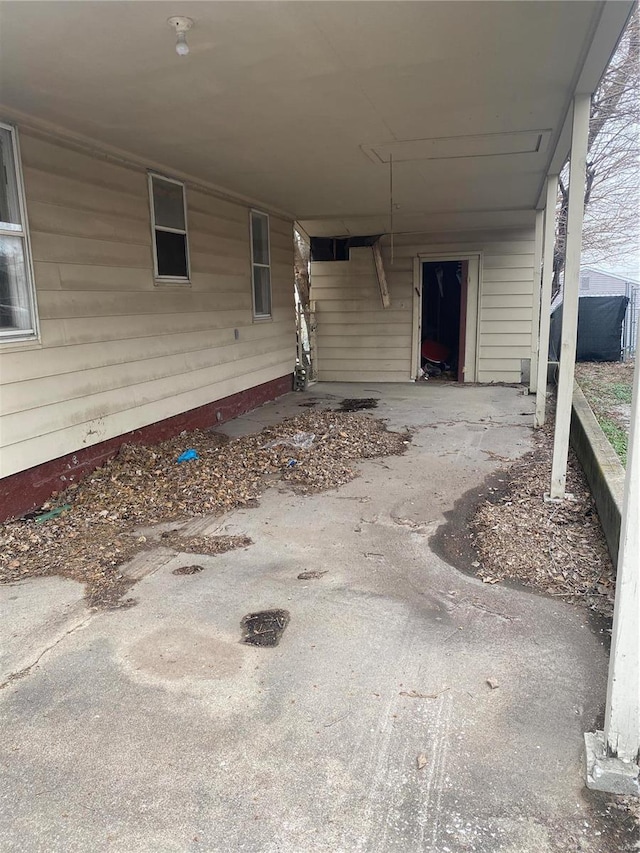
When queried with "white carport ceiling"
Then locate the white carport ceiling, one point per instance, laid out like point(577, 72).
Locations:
point(288, 103)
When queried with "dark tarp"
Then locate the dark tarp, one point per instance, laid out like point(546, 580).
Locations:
point(600, 320)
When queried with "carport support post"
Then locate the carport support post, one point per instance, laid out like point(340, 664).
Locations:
point(575, 214)
point(613, 755)
point(535, 326)
point(545, 298)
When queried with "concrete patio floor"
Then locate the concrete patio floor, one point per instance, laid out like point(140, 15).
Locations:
point(152, 728)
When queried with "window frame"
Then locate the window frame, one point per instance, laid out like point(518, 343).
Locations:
point(168, 279)
point(22, 232)
point(253, 212)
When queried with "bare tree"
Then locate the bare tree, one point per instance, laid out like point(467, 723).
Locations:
point(610, 232)
point(301, 257)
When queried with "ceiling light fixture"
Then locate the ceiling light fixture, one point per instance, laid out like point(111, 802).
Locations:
point(181, 25)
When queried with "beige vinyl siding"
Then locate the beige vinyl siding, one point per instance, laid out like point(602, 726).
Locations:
point(117, 351)
point(358, 339)
point(506, 309)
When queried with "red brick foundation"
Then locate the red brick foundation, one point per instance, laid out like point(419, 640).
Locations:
point(29, 489)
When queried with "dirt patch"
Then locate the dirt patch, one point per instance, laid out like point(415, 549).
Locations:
point(617, 819)
point(453, 541)
point(121, 604)
point(181, 652)
point(187, 570)
point(612, 826)
point(264, 628)
point(607, 387)
point(355, 404)
point(210, 545)
point(93, 535)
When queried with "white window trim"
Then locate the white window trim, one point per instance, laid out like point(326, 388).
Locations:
point(254, 263)
point(168, 279)
point(17, 336)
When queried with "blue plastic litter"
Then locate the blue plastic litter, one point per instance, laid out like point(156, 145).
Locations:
point(187, 456)
point(291, 463)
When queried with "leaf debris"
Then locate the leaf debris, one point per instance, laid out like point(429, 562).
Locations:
point(557, 548)
point(92, 539)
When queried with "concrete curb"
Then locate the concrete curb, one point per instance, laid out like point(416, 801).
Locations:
point(607, 773)
point(601, 466)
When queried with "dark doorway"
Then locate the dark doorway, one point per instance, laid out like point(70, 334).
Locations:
point(444, 299)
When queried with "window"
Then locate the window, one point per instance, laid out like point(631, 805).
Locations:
point(260, 264)
point(169, 222)
point(17, 302)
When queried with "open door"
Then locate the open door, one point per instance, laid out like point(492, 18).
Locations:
point(445, 317)
point(442, 339)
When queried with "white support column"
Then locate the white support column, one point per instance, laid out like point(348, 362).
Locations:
point(575, 214)
point(545, 298)
point(613, 755)
point(535, 312)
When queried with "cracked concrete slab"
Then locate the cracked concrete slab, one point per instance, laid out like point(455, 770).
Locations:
point(154, 729)
point(35, 615)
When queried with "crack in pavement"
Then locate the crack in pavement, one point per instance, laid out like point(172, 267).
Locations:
point(22, 673)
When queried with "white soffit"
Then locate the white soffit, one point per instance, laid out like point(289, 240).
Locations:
point(279, 101)
point(460, 147)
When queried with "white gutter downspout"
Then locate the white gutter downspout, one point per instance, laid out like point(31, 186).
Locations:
point(545, 298)
point(575, 214)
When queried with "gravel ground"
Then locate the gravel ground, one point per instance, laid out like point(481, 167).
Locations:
point(92, 539)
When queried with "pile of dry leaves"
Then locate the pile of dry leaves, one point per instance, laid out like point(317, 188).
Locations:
point(91, 540)
point(558, 548)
